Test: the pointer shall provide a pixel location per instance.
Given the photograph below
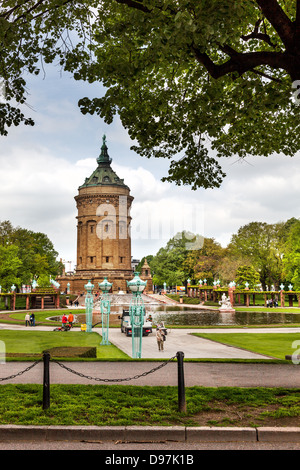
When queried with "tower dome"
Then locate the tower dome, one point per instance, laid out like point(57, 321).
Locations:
point(103, 175)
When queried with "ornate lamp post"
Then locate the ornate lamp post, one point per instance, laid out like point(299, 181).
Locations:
point(89, 302)
point(105, 309)
point(137, 312)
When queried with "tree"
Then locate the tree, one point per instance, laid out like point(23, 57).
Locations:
point(228, 266)
point(247, 274)
point(196, 80)
point(33, 250)
point(9, 265)
point(259, 242)
point(291, 260)
point(33, 33)
point(204, 263)
point(192, 80)
point(168, 265)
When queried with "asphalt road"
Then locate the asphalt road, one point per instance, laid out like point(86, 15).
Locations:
point(119, 373)
point(156, 449)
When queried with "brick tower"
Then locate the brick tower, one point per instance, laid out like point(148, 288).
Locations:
point(103, 229)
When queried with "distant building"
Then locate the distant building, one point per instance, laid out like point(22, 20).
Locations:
point(103, 230)
point(135, 263)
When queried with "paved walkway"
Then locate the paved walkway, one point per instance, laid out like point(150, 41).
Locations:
point(195, 374)
point(178, 340)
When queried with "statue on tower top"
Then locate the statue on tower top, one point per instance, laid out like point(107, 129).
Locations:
point(104, 157)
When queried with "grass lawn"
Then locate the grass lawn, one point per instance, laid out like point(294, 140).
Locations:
point(35, 342)
point(268, 310)
point(41, 316)
point(125, 405)
point(276, 345)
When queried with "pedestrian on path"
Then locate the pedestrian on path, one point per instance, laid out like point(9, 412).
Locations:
point(27, 319)
point(160, 336)
point(32, 319)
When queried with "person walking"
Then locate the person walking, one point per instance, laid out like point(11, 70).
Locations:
point(27, 319)
point(160, 339)
point(32, 319)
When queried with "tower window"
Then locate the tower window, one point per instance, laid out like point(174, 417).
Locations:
point(107, 259)
point(92, 259)
point(121, 259)
point(92, 229)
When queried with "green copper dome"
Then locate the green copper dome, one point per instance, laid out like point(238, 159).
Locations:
point(104, 174)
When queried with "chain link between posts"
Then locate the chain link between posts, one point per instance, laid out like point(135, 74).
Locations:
point(21, 372)
point(80, 374)
point(127, 379)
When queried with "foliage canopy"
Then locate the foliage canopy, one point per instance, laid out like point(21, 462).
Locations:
point(25, 255)
point(259, 253)
point(192, 80)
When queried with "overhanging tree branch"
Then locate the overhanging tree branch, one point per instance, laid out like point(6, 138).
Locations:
point(279, 20)
point(297, 22)
point(256, 34)
point(134, 4)
point(241, 62)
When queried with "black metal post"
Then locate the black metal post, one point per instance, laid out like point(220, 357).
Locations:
point(46, 381)
point(181, 389)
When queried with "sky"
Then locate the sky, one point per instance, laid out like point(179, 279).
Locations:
point(43, 166)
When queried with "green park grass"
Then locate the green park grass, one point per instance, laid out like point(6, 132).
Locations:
point(126, 405)
point(275, 345)
point(30, 343)
point(40, 316)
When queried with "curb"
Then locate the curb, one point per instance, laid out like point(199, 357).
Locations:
point(148, 434)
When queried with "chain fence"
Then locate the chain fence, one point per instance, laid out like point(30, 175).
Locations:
point(126, 379)
point(46, 376)
point(2, 379)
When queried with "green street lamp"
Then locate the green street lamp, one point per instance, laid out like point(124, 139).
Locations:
point(105, 286)
point(89, 301)
point(137, 312)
